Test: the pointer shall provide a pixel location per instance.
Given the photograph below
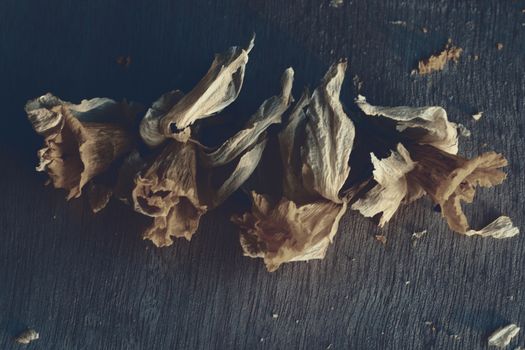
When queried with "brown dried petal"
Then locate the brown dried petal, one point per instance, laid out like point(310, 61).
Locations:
point(284, 232)
point(329, 138)
point(438, 61)
point(390, 175)
point(424, 125)
point(216, 90)
point(99, 196)
point(450, 179)
point(77, 147)
point(167, 190)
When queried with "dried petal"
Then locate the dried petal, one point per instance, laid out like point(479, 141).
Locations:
point(390, 175)
point(81, 141)
point(149, 126)
point(502, 227)
point(502, 337)
point(167, 190)
point(424, 125)
point(269, 113)
point(99, 196)
point(450, 179)
point(329, 138)
point(216, 90)
point(284, 232)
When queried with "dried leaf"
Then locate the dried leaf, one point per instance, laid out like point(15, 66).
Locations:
point(424, 125)
point(437, 62)
point(502, 227)
point(167, 190)
point(283, 231)
point(81, 141)
point(329, 138)
point(27, 336)
point(390, 175)
point(216, 90)
point(503, 336)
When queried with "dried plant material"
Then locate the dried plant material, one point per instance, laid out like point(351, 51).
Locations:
point(502, 227)
point(386, 197)
point(424, 125)
point(124, 61)
point(450, 179)
point(381, 239)
point(417, 235)
point(315, 149)
point(167, 191)
point(217, 89)
point(81, 141)
point(424, 30)
point(99, 196)
point(27, 337)
point(503, 336)
point(269, 113)
point(499, 46)
point(329, 138)
point(358, 84)
point(149, 126)
point(438, 62)
point(284, 232)
point(399, 23)
point(463, 131)
point(336, 3)
point(477, 116)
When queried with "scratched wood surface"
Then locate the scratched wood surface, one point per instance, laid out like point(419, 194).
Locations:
point(88, 281)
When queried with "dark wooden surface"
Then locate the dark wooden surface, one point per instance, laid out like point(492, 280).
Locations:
point(90, 282)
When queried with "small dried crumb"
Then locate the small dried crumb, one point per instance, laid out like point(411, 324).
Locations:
point(455, 336)
point(296, 321)
point(358, 84)
point(336, 3)
point(261, 340)
point(424, 30)
point(502, 337)
point(431, 325)
point(27, 336)
point(477, 116)
point(438, 61)
point(275, 315)
point(463, 131)
point(123, 61)
point(399, 23)
point(417, 235)
point(407, 283)
point(329, 346)
point(346, 296)
point(381, 238)
point(476, 57)
point(499, 46)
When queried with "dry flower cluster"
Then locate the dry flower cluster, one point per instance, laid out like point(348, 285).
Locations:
point(159, 165)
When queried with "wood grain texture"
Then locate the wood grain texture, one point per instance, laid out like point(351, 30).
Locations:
point(88, 281)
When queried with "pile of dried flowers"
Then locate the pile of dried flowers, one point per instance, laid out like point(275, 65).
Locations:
point(158, 166)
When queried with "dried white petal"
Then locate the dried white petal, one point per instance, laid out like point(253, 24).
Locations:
point(502, 337)
point(217, 89)
point(390, 175)
point(426, 125)
point(27, 336)
point(329, 137)
point(149, 126)
point(502, 227)
point(269, 113)
point(477, 116)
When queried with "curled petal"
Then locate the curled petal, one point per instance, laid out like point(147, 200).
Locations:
point(149, 126)
point(450, 179)
point(392, 187)
point(283, 232)
point(502, 227)
point(81, 141)
point(217, 89)
point(424, 125)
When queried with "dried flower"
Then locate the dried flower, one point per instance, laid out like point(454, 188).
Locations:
point(315, 149)
point(81, 141)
